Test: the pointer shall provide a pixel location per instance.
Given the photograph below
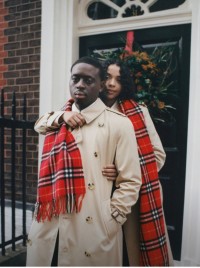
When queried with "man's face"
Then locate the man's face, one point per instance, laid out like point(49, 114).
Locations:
point(85, 84)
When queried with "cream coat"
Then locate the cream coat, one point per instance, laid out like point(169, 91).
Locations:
point(50, 120)
point(131, 227)
point(93, 237)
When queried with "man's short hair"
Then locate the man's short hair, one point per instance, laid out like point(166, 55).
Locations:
point(91, 61)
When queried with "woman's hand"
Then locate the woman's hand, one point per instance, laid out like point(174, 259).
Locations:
point(73, 119)
point(110, 172)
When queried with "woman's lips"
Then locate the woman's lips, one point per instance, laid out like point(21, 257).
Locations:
point(110, 92)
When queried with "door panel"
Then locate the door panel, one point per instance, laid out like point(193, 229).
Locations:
point(174, 135)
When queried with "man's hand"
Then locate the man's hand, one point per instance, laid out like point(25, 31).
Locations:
point(73, 119)
point(110, 172)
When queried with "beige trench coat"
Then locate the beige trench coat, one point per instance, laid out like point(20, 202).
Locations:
point(131, 227)
point(49, 121)
point(93, 237)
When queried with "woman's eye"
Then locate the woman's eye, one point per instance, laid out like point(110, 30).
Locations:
point(106, 77)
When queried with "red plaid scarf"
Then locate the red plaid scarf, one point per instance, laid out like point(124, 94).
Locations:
point(153, 245)
point(61, 185)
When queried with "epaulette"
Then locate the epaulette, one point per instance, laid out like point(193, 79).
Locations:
point(114, 111)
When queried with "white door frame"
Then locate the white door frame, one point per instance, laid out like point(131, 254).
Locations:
point(60, 47)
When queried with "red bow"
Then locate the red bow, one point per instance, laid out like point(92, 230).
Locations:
point(129, 42)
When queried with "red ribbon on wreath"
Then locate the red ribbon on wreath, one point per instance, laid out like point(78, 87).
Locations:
point(129, 44)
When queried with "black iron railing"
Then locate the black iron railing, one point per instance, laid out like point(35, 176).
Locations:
point(13, 124)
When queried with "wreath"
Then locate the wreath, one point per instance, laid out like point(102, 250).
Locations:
point(152, 74)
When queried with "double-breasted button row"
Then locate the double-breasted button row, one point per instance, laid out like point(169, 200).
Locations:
point(87, 254)
point(91, 186)
point(65, 249)
point(100, 124)
point(89, 219)
point(29, 241)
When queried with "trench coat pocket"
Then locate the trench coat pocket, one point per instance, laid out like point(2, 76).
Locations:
point(41, 243)
point(112, 227)
point(46, 231)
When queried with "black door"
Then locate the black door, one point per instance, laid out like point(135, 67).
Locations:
point(173, 135)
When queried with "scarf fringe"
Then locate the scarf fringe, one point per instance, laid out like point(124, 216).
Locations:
point(65, 204)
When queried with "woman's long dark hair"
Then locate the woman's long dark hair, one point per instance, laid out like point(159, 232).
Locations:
point(126, 79)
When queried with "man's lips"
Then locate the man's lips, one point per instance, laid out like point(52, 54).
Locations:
point(79, 95)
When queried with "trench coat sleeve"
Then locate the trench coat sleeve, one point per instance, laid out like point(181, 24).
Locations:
point(48, 122)
point(129, 179)
point(155, 139)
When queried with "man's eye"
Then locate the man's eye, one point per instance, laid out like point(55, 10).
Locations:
point(88, 80)
point(75, 79)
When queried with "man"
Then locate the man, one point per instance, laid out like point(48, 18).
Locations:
point(79, 207)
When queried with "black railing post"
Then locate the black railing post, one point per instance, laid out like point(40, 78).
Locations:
point(2, 179)
point(24, 173)
point(12, 124)
point(13, 186)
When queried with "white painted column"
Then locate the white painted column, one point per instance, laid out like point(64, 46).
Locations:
point(191, 230)
point(59, 48)
point(46, 61)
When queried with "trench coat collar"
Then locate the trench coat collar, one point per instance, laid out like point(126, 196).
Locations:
point(91, 112)
point(115, 106)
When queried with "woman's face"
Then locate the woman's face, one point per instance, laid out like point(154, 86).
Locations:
point(113, 85)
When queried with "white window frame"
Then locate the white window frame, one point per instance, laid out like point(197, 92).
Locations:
point(87, 26)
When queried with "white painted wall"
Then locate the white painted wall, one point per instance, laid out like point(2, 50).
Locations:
point(59, 48)
point(191, 223)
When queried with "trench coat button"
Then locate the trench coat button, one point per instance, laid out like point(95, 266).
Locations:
point(100, 124)
point(95, 154)
point(89, 219)
point(29, 241)
point(91, 186)
point(87, 254)
point(65, 249)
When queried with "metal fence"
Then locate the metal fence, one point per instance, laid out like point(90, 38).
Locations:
point(13, 124)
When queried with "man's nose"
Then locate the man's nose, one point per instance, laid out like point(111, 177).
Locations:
point(80, 84)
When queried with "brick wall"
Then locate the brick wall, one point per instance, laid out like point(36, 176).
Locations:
point(20, 37)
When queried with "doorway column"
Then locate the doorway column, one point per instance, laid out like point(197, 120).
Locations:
point(191, 223)
point(59, 48)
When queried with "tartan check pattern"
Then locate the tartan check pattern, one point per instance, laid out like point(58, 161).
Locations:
point(61, 185)
point(153, 244)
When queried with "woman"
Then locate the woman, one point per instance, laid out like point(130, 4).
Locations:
point(119, 86)
point(119, 95)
